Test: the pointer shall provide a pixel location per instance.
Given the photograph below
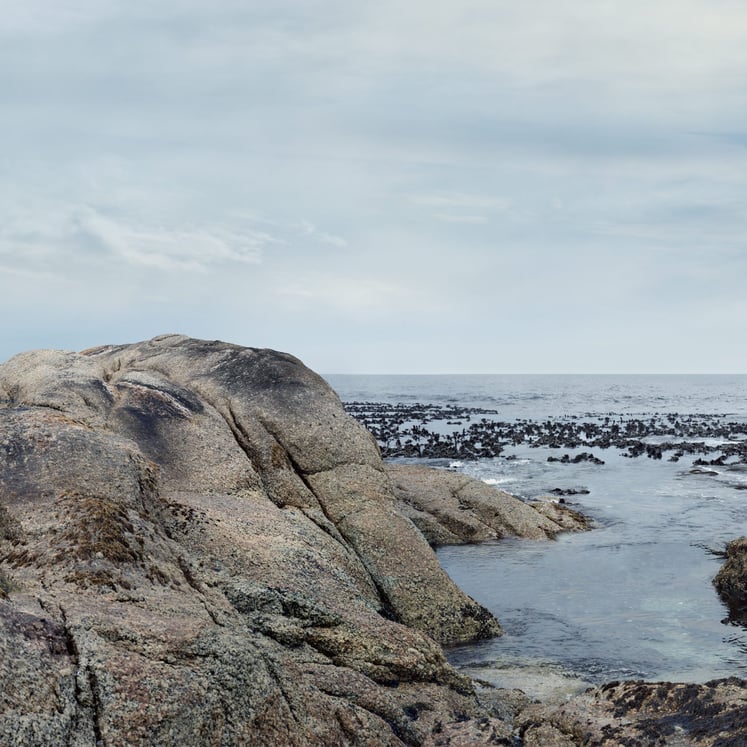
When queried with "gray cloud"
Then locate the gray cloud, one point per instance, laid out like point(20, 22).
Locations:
point(481, 185)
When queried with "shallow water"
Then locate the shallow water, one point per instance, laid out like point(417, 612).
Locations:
point(632, 598)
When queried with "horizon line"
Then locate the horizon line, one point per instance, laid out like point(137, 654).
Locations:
point(541, 373)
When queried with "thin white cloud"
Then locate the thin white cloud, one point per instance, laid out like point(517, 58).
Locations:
point(460, 207)
point(82, 234)
point(309, 229)
point(171, 249)
point(462, 200)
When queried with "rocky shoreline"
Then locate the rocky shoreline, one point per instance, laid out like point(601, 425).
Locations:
point(198, 546)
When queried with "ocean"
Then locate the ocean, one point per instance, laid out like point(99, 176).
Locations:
point(631, 599)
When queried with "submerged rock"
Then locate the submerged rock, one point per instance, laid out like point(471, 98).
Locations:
point(198, 546)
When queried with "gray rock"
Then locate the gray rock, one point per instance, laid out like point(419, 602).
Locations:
point(643, 713)
point(452, 508)
point(198, 546)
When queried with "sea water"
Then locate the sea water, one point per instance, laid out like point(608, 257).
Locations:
point(633, 598)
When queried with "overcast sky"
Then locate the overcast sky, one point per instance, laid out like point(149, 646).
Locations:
point(429, 186)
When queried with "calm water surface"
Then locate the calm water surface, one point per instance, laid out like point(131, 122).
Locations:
point(631, 599)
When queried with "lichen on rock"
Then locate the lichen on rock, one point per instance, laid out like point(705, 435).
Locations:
point(205, 549)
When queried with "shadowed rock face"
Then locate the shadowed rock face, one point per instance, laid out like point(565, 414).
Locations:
point(198, 546)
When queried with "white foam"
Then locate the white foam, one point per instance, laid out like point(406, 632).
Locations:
point(496, 480)
point(548, 682)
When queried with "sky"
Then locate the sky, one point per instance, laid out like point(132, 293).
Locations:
point(436, 186)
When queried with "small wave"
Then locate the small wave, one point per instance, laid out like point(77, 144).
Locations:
point(546, 682)
point(496, 480)
point(456, 465)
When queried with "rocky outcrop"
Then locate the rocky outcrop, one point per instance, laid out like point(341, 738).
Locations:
point(619, 714)
point(731, 580)
point(641, 713)
point(198, 546)
point(452, 508)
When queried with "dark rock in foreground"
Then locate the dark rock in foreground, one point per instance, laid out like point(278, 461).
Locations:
point(642, 713)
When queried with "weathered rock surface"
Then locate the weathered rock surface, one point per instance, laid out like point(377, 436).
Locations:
point(619, 714)
point(198, 546)
point(731, 580)
point(452, 508)
point(642, 713)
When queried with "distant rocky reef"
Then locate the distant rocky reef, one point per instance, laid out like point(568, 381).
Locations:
point(199, 547)
point(433, 431)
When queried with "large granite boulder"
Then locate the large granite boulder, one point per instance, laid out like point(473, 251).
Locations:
point(198, 546)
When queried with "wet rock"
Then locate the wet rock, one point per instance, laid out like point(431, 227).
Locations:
point(584, 456)
point(644, 713)
point(566, 518)
point(452, 508)
point(731, 580)
point(406, 430)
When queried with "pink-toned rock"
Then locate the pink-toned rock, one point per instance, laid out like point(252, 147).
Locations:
point(643, 713)
point(198, 546)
